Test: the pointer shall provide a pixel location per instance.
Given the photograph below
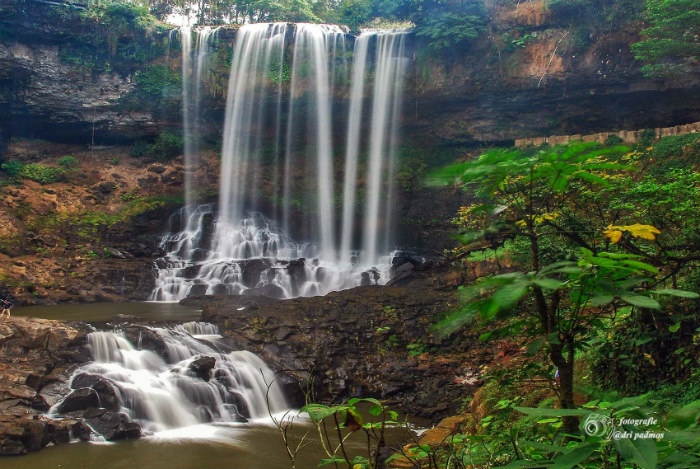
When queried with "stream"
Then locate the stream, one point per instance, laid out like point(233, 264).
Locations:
point(223, 442)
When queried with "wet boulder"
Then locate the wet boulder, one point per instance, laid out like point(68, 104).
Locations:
point(79, 399)
point(253, 269)
point(201, 367)
point(112, 425)
point(270, 290)
point(106, 393)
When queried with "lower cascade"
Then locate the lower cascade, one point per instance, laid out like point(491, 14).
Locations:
point(193, 380)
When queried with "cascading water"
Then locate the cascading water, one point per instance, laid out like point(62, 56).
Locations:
point(192, 382)
point(280, 140)
point(193, 70)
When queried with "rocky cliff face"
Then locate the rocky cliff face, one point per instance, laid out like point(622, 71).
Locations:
point(54, 87)
point(550, 85)
point(50, 99)
point(550, 80)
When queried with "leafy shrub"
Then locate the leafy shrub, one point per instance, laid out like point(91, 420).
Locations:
point(449, 29)
point(168, 145)
point(673, 145)
point(140, 148)
point(670, 44)
point(613, 140)
point(447, 25)
point(646, 138)
point(12, 168)
point(41, 173)
point(34, 171)
point(68, 162)
point(156, 79)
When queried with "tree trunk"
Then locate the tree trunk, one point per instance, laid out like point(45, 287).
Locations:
point(565, 368)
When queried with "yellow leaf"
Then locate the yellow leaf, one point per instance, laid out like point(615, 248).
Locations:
point(613, 233)
point(649, 358)
point(642, 231)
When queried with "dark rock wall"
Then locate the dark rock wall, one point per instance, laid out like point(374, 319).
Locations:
point(546, 88)
point(481, 95)
point(47, 92)
point(367, 341)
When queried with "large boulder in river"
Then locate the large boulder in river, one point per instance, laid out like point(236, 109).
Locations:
point(79, 399)
point(201, 367)
point(112, 425)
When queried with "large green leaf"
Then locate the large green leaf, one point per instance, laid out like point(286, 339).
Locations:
point(686, 417)
point(640, 451)
point(678, 293)
point(318, 412)
point(508, 296)
point(601, 300)
point(542, 412)
point(549, 283)
point(640, 301)
point(575, 457)
point(332, 460)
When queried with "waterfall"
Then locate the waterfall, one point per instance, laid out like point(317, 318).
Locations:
point(386, 103)
point(288, 136)
point(194, 62)
point(168, 391)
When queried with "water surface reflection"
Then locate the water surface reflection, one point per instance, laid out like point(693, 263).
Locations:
point(102, 312)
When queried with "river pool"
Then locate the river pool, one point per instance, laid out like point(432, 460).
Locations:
point(256, 444)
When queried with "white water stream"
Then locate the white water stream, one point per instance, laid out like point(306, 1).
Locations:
point(331, 187)
point(166, 394)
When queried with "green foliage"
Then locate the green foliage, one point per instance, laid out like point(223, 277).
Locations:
point(336, 423)
point(139, 148)
point(451, 24)
point(41, 173)
point(353, 13)
point(411, 172)
point(122, 20)
point(38, 172)
point(570, 11)
point(672, 41)
point(157, 80)
point(279, 71)
point(112, 36)
point(129, 196)
point(514, 41)
point(613, 140)
point(649, 350)
point(623, 433)
point(675, 147)
point(68, 162)
point(416, 348)
point(13, 168)
point(647, 138)
point(167, 146)
point(580, 265)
